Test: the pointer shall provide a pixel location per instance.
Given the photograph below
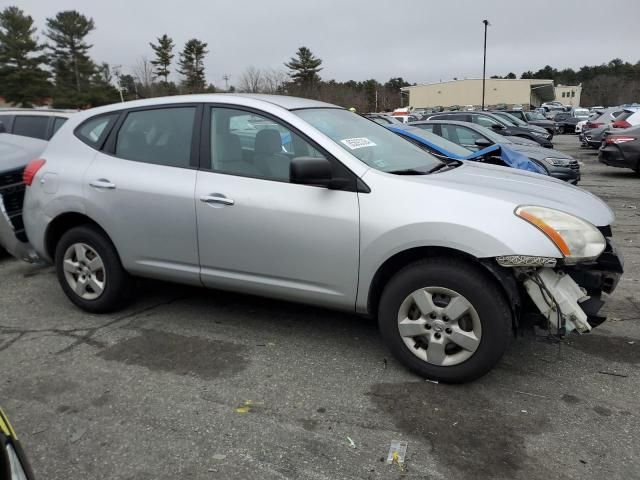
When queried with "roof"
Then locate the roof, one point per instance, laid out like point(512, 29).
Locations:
point(530, 81)
point(283, 101)
point(38, 111)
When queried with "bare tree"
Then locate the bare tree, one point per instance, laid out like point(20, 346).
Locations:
point(251, 80)
point(143, 72)
point(274, 80)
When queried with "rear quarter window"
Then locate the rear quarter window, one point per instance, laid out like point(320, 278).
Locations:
point(31, 126)
point(94, 130)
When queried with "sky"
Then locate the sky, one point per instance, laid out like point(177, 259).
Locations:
point(420, 40)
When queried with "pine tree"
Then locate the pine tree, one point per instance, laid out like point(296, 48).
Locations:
point(164, 56)
point(191, 65)
point(22, 80)
point(72, 67)
point(304, 68)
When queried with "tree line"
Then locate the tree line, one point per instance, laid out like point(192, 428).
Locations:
point(613, 83)
point(62, 70)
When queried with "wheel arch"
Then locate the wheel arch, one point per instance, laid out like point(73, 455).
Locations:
point(63, 223)
point(500, 275)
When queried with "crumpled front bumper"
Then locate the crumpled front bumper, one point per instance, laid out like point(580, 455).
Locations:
point(569, 297)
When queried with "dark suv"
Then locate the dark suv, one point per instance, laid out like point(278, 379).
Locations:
point(535, 118)
point(497, 124)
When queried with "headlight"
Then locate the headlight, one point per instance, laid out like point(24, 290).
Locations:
point(540, 134)
point(577, 239)
point(557, 162)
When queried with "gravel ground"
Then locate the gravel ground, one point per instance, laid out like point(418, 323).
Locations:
point(190, 383)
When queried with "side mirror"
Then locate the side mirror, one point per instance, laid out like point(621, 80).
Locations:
point(310, 171)
point(483, 143)
point(497, 126)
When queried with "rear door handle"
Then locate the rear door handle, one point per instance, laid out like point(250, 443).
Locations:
point(217, 198)
point(102, 183)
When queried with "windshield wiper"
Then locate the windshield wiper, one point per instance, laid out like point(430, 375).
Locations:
point(448, 163)
point(409, 171)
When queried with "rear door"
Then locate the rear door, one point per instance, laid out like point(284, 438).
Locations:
point(261, 234)
point(139, 188)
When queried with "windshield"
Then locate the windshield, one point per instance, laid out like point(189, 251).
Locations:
point(581, 113)
point(440, 142)
point(371, 143)
point(535, 116)
point(512, 119)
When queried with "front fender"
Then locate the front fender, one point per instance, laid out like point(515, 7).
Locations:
point(522, 239)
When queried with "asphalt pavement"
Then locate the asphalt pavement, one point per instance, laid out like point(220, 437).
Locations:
point(191, 383)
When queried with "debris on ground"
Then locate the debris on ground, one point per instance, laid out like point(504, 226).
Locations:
point(613, 374)
point(352, 444)
point(219, 456)
point(77, 434)
point(245, 407)
point(397, 453)
point(431, 381)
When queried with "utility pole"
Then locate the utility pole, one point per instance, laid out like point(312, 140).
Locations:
point(116, 71)
point(226, 78)
point(484, 63)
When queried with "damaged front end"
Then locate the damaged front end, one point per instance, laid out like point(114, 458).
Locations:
point(12, 235)
point(567, 297)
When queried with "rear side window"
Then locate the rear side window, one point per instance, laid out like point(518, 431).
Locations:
point(57, 123)
point(93, 131)
point(31, 126)
point(161, 136)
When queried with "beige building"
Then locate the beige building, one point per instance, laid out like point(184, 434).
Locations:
point(523, 92)
point(568, 95)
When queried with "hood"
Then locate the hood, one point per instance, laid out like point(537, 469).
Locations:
point(524, 188)
point(520, 141)
point(16, 151)
point(538, 152)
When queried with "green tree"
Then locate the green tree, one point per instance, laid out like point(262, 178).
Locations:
point(304, 68)
point(72, 68)
point(511, 76)
point(164, 55)
point(191, 65)
point(22, 80)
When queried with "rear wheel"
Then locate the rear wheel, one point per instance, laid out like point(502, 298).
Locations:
point(90, 272)
point(445, 319)
point(561, 130)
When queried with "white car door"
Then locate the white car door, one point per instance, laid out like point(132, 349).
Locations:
point(258, 233)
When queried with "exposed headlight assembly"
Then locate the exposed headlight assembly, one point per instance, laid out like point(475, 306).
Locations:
point(577, 239)
point(557, 162)
point(540, 134)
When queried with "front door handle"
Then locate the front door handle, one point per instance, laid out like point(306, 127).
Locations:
point(102, 183)
point(217, 198)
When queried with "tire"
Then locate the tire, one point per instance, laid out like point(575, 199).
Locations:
point(489, 309)
point(561, 130)
point(81, 275)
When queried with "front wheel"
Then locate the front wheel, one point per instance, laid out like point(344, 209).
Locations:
point(90, 272)
point(561, 130)
point(445, 319)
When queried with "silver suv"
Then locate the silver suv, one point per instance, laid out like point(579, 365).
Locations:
point(308, 202)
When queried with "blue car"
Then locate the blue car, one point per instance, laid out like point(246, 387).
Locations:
point(498, 153)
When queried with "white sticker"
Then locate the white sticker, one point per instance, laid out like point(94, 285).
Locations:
point(355, 143)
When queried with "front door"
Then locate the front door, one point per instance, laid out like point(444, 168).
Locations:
point(258, 233)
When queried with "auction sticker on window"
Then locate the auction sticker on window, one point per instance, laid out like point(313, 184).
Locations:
point(355, 143)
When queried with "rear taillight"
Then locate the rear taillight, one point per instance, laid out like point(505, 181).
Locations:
point(615, 139)
point(620, 124)
point(591, 125)
point(31, 169)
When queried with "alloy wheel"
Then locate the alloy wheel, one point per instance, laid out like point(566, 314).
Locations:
point(439, 326)
point(84, 271)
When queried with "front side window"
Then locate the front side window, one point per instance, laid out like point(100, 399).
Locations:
point(161, 136)
point(248, 144)
point(372, 144)
point(484, 121)
point(461, 135)
point(31, 126)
